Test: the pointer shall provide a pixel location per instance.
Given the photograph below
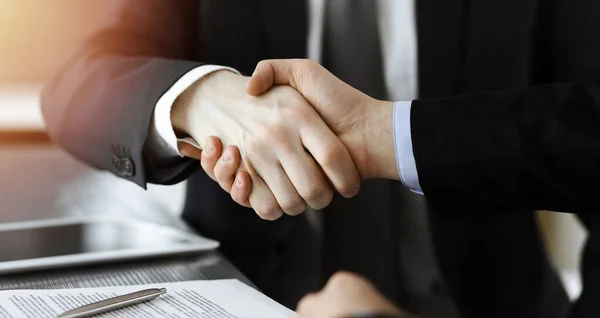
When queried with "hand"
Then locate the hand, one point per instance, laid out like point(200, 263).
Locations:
point(363, 124)
point(346, 295)
point(282, 140)
point(229, 173)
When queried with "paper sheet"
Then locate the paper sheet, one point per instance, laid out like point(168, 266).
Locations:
point(192, 299)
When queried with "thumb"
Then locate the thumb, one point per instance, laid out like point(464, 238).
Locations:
point(261, 80)
point(278, 72)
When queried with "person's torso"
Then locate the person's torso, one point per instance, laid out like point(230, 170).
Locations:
point(461, 47)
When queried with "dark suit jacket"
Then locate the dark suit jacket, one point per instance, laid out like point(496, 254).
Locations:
point(534, 148)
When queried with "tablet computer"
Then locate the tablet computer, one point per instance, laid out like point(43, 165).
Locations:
point(44, 244)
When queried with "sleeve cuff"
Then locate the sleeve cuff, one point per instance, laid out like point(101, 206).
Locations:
point(161, 131)
point(403, 146)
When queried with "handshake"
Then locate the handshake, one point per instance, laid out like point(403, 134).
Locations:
point(287, 137)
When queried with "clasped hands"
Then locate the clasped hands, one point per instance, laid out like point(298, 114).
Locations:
point(287, 137)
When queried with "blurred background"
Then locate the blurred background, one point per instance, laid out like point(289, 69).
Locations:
point(36, 38)
point(36, 178)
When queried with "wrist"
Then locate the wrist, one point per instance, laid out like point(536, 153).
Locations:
point(192, 100)
point(379, 136)
point(179, 113)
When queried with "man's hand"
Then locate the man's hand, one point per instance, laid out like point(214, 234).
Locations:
point(347, 295)
point(363, 124)
point(284, 145)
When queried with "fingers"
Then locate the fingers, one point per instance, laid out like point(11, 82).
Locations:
point(309, 305)
point(226, 167)
point(329, 152)
point(342, 280)
point(308, 179)
point(262, 200)
point(333, 157)
point(272, 72)
point(261, 80)
point(210, 155)
point(189, 151)
point(222, 166)
point(282, 188)
point(292, 72)
point(305, 176)
point(269, 199)
point(232, 178)
point(242, 186)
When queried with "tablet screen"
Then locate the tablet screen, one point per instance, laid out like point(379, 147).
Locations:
point(80, 238)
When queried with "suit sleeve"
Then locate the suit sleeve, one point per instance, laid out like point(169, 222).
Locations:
point(100, 105)
point(536, 148)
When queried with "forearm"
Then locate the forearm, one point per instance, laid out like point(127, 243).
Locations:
point(535, 148)
point(99, 108)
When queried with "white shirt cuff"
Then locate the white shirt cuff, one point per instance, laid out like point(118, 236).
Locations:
point(403, 145)
point(161, 137)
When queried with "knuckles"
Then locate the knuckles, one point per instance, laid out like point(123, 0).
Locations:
point(267, 208)
point(293, 206)
point(349, 189)
point(307, 302)
point(251, 147)
point(343, 278)
point(270, 213)
point(318, 195)
point(332, 155)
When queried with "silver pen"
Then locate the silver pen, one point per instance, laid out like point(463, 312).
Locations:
point(114, 303)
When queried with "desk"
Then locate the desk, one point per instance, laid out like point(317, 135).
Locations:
point(42, 181)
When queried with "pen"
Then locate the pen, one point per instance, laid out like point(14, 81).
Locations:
point(114, 303)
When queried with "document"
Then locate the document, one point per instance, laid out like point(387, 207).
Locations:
point(192, 299)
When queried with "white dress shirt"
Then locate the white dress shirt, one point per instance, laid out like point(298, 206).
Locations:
point(397, 29)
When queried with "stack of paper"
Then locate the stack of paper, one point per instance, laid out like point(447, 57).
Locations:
point(193, 299)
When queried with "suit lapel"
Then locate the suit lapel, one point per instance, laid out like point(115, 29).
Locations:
point(441, 30)
point(286, 28)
